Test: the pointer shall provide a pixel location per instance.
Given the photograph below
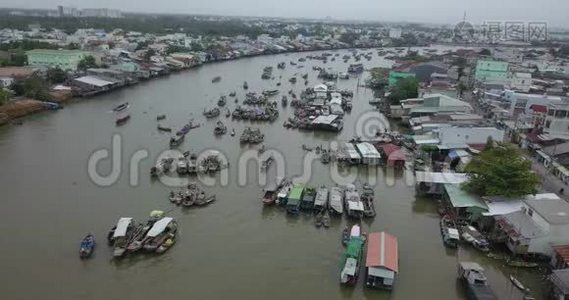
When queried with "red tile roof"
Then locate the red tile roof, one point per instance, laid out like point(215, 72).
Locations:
point(382, 251)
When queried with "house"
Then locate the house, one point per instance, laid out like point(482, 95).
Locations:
point(522, 102)
point(520, 81)
point(64, 59)
point(382, 260)
point(461, 137)
point(491, 71)
point(462, 204)
point(557, 120)
point(541, 224)
point(432, 104)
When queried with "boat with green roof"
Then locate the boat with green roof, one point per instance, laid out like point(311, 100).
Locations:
point(294, 199)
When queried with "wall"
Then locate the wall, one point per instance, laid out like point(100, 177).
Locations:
point(469, 135)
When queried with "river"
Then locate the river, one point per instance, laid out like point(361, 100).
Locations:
point(234, 248)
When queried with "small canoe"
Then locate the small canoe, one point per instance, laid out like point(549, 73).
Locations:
point(518, 284)
point(87, 246)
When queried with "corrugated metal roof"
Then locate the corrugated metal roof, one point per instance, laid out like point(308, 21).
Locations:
point(460, 198)
point(438, 177)
point(92, 80)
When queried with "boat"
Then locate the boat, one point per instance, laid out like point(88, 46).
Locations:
point(343, 75)
point(232, 132)
point(121, 107)
point(518, 284)
point(175, 197)
point(176, 140)
point(282, 195)
point(382, 260)
point(121, 235)
point(87, 246)
point(270, 92)
point(281, 65)
point(164, 128)
point(336, 206)
point(203, 201)
point(193, 164)
point(139, 237)
point(220, 128)
point(160, 117)
point(266, 163)
point(212, 113)
point(120, 120)
point(326, 220)
point(189, 199)
point(292, 80)
point(232, 94)
point(307, 202)
point(369, 207)
point(356, 68)
point(245, 85)
point(168, 243)
point(351, 261)
point(472, 236)
point(159, 233)
point(216, 79)
point(284, 101)
point(449, 233)
point(294, 198)
point(522, 264)
point(321, 199)
point(222, 101)
point(228, 114)
point(472, 276)
point(182, 166)
point(318, 220)
point(352, 202)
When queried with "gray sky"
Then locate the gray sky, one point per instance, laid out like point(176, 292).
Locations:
point(431, 11)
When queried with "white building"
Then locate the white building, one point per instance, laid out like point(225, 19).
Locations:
point(542, 222)
point(520, 81)
point(459, 137)
point(523, 102)
point(557, 120)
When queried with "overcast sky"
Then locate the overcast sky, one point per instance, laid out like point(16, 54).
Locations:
point(556, 12)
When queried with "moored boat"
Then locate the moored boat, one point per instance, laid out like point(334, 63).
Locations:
point(160, 232)
point(87, 246)
point(216, 79)
point(294, 198)
point(351, 261)
point(321, 199)
point(336, 206)
point(472, 236)
point(121, 107)
point(472, 276)
point(382, 260)
point(121, 119)
point(176, 140)
point(353, 203)
point(121, 236)
point(449, 233)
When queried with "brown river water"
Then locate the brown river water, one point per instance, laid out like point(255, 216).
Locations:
point(233, 249)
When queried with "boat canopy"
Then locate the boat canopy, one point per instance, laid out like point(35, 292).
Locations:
point(355, 231)
point(453, 233)
point(350, 267)
point(354, 248)
point(296, 192)
point(122, 226)
point(159, 226)
point(336, 199)
point(321, 197)
point(355, 206)
point(381, 272)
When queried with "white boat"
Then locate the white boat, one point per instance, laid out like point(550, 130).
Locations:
point(182, 166)
point(121, 236)
point(160, 232)
point(353, 203)
point(336, 205)
point(321, 199)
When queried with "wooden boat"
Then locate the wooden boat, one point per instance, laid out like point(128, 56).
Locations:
point(122, 119)
point(326, 220)
point(232, 132)
point(203, 200)
point(164, 128)
point(471, 274)
point(212, 113)
point(160, 117)
point(222, 101)
point(176, 140)
point(336, 206)
point(518, 284)
point(352, 202)
point(182, 166)
point(266, 163)
point(321, 199)
point(294, 198)
point(282, 195)
point(220, 128)
point(318, 220)
point(351, 261)
point(139, 237)
point(270, 92)
point(87, 246)
point(245, 85)
point(232, 94)
point(175, 197)
point(472, 236)
point(271, 192)
point(193, 164)
point(121, 107)
point(307, 203)
point(522, 264)
point(369, 207)
point(121, 236)
point(159, 233)
point(216, 79)
point(168, 243)
point(284, 101)
point(449, 233)
point(189, 199)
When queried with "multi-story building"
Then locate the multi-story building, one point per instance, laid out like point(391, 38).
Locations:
point(63, 59)
point(557, 120)
point(491, 71)
point(520, 81)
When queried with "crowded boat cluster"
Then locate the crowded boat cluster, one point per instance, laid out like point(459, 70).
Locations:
point(189, 164)
point(191, 197)
point(252, 136)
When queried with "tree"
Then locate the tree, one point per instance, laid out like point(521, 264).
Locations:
point(500, 171)
point(378, 78)
point(405, 88)
point(86, 63)
point(4, 96)
point(36, 88)
point(56, 75)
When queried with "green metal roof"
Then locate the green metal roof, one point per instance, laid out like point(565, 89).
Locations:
point(354, 247)
point(296, 192)
point(460, 198)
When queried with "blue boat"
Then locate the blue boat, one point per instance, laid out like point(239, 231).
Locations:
point(87, 246)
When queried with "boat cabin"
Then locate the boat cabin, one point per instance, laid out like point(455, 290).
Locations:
point(353, 256)
point(382, 261)
point(472, 275)
point(294, 199)
point(307, 202)
point(321, 199)
point(336, 201)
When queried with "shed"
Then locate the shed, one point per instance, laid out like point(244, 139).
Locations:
point(394, 155)
point(350, 154)
point(370, 155)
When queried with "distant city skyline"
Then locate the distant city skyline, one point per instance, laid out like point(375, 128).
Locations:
point(421, 11)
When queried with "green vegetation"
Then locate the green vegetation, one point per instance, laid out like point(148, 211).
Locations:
point(4, 96)
point(405, 88)
point(34, 87)
point(378, 79)
point(56, 75)
point(501, 170)
point(86, 63)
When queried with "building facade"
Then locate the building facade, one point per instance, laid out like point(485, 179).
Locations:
point(64, 59)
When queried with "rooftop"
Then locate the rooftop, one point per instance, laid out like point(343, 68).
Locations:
point(17, 71)
point(460, 198)
point(553, 209)
point(519, 224)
